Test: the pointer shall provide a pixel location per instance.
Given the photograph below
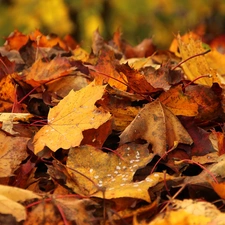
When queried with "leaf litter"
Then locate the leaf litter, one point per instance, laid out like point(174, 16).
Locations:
point(121, 135)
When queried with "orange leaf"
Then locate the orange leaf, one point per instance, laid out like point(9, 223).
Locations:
point(178, 102)
point(104, 72)
point(41, 72)
point(219, 188)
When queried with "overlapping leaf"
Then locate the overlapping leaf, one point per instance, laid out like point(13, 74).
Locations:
point(111, 175)
point(158, 126)
point(66, 121)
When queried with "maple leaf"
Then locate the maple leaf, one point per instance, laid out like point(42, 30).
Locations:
point(198, 66)
point(105, 72)
point(41, 72)
point(178, 102)
point(66, 121)
point(158, 126)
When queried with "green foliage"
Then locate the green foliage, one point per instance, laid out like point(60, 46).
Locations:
point(159, 19)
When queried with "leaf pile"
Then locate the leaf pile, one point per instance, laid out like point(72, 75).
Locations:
point(121, 135)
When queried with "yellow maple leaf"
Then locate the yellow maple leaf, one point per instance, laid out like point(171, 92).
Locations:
point(197, 66)
point(66, 121)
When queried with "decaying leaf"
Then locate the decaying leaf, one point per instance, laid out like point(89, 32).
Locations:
point(66, 121)
point(8, 119)
point(158, 126)
point(112, 172)
point(13, 152)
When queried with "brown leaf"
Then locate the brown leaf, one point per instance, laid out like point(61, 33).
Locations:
point(6, 66)
point(209, 107)
point(202, 145)
point(136, 81)
point(13, 152)
point(158, 126)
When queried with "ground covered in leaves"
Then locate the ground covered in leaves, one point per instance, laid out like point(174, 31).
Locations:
point(121, 135)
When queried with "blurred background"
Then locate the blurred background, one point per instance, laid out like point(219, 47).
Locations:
point(137, 19)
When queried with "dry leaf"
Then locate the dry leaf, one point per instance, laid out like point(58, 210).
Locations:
point(8, 119)
point(9, 196)
point(197, 66)
point(66, 121)
point(112, 172)
point(188, 212)
point(219, 188)
point(178, 102)
point(13, 152)
point(158, 126)
point(41, 71)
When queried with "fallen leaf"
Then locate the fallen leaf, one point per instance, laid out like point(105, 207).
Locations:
point(136, 81)
point(197, 66)
point(209, 107)
point(7, 93)
point(219, 188)
point(74, 114)
point(178, 102)
point(201, 143)
point(41, 71)
point(8, 119)
point(16, 40)
point(97, 137)
point(158, 126)
point(113, 172)
point(9, 198)
point(161, 77)
point(13, 152)
point(104, 71)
